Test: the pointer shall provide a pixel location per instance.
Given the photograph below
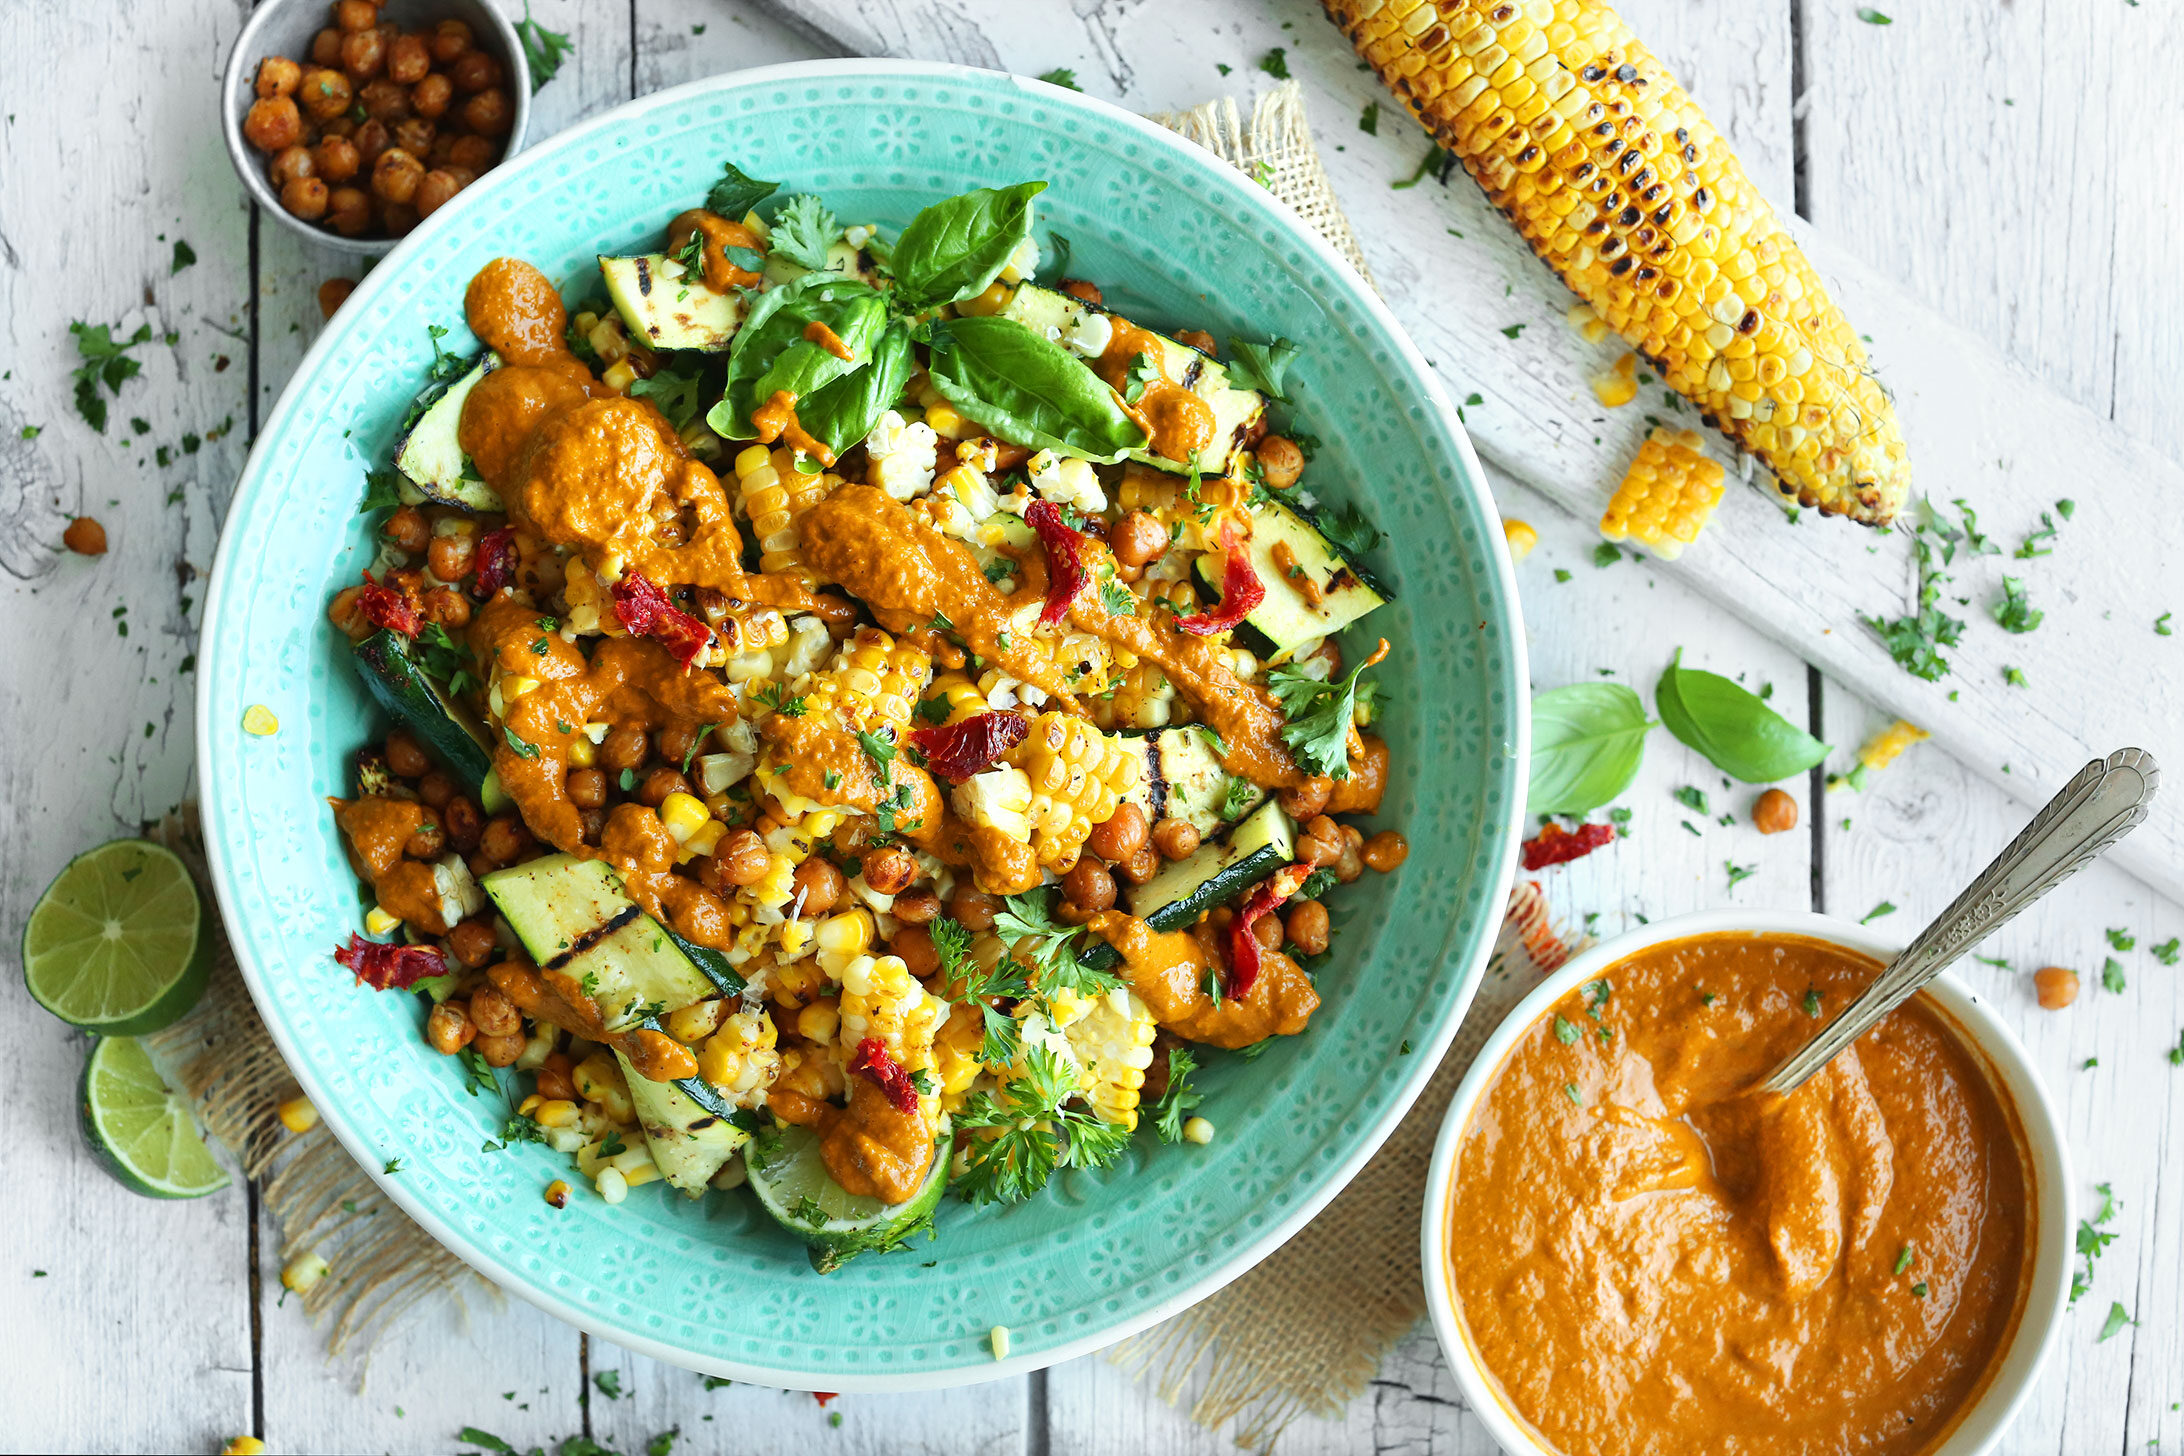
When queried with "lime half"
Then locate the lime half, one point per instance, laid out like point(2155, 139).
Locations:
point(142, 1131)
point(791, 1182)
point(120, 944)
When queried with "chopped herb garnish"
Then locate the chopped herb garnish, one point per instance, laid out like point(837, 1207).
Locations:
point(2014, 612)
point(1180, 1097)
point(1884, 908)
point(1691, 798)
point(105, 360)
point(2121, 939)
point(1566, 1031)
point(1276, 63)
point(1903, 1260)
point(543, 49)
point(1061, 76)
point(2112, 975)
point(1811, 1002)
point(2118, 1317)
point(1606, 554)
point(1739, 873)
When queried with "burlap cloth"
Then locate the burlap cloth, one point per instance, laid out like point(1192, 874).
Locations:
point(1300, 1334)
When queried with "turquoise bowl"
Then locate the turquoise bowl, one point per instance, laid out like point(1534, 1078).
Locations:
point(1176, 237)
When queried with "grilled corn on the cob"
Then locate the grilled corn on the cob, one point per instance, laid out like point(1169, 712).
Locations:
point(1620, 183)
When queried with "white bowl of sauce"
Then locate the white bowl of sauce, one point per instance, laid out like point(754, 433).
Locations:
point(1625, 1254)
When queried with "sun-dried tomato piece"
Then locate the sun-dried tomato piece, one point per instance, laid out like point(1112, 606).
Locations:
point(390, 967)
point(871, 1058)
point(644, 611)
point(955, 751)
point(496, 559)
point(1556, 845)
point(1064, 547)
point(389, 607)
point(823, 1396)
point(1243, 946)
point(1241, 590)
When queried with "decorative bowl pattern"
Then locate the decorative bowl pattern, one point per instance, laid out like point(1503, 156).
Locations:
point(1173, 234)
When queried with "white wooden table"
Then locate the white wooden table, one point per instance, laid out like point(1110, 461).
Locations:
point(2008, 163)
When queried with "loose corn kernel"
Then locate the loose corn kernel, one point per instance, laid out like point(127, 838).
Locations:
point(998, 1339)
point(377, 921)
point(946, 423)
point(555, 1112)
point(819, 1021)
point(298, 1115)
point(258, 720)
point(557, 1193)
point(244, 1446)
point(302, 1273)
point(1886, 746)
point(599, 1079)
point(1617, 386)
point(695, 1023)
point(619, 376)
point(643, 1173)
point(611, 1185)
point(1668, 495)
point(706, 839)
point(683, 814)
point(530, 1105)
point(1520, 535)
point(1197, 1130)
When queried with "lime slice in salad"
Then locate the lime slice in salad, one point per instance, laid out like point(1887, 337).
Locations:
point(792, 1184)
point(120, 943)
point(143, 1132)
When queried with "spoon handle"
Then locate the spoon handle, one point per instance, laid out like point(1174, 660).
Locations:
point(2105, 801)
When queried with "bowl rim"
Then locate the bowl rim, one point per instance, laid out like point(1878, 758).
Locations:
point(2040, 1320)
point(1497, 875)
point(236, 89)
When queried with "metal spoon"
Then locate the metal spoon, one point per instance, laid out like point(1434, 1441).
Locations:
point(2105, 801)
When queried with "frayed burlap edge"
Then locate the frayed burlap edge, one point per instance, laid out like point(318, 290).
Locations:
point(1277, 153)
point(381, 1265)
point(1304, 1332)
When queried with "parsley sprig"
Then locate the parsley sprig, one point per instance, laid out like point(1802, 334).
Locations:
point(1036, 1127)
point(1027, 927)
point(105, 360)
point(1006, 980)
point(1320, 715)
point(803, 232)
point(1180, 1098)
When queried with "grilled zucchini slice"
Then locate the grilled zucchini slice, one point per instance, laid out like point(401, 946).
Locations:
point(429, 455)
point(388, 663)
point(1313, 590)
point(669, 308)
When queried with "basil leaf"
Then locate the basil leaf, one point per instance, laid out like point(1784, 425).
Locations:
point(954, 248)
point(1587, 742)
point(735, 194)
point(842, 414)
point(1733, 729)
point(771, 353)
point(1028, 390)
point(1261, 366)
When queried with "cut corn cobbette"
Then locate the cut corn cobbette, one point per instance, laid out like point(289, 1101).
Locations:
point(1667, 496)
point(1620, 183)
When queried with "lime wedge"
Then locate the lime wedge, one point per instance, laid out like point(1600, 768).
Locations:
point(142, 1131)
point(792, 1184)
point(120, 943)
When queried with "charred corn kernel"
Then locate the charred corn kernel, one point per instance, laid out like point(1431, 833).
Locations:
point(1616, 179)
point(555, 1112)
point(599, 1079)
point(880, 998)
point(258, 720)
point(619, 377)
point(794, 939)
point(302, 1273)
point(1581, 317)
point(1113, 1040)
point(945, 422)
point(610, 1185)
point(1617, 386)
point(1668, 495)
point(607, 338)
point(581, 753)
point(1886, 746)
point(1521, 538)
point(694, 1024)
point(244, 1446)
point(557, 1193)
point(684, 815)
point(842, 938)
point(298, 1115)
point(1197, 1130)
point(741, 1059)
point(378, 922)
point(873, 682)
point(998, 1339)
point(1077, 776)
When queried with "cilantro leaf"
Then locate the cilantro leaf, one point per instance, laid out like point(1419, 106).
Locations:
point(677, 392)
point(1263, 367)
point(2014, 612)
point(1348, 531)
point(1319, 716)
point(543, 49)
point(1061, 76)
point(803, 231)
point(1028, 929)
point(107, 361)
point(1180, 1097)
point(736, 194)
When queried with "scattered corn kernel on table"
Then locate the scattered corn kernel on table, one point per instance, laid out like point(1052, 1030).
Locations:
point(1987, 158)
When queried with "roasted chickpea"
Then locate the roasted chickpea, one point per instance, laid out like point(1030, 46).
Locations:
point(1137, 539)
point(409, 59)
point(1088, 886)
point(591, 823)
point(505, 838)
point(675, 742)
point(326, 47)
point(363, 54)
point(306, 197)
point(334, 159)
point(443, 147)
point(973, 909)
point(917, 907)
point(431, 97)
point(493, 1013)
point(447, 606)
point(348, 210)
point(1120, 836)
point(653, 789)
point(325, 94)
point(474, 70)
point(1308, 800)
point(1350, 863)
point(415, 135)
point(395, 175)
point(396, 218)
point(556, 1080)
point(273, 123)
point(463, 823)
point(277, 76)
point(1280, 461)
point(448, 1029)
point(2055, 986)
point(474, 153)
point(473, 942)
point(821, 885)
point(382, 100)
point(450, 557)
point(742, 857)
point(406, 757)
point(1308, 927)
point(1141, 866)
point(1385, 851)
point(85, 536)
point(501, 1051)
point(1175, 838)
point(586, 788)
point(436, 789)
point(449, 39)
point(889, 869)
point(1774, 812)
point(355, 15)
point(1321, 842)
point(1197, 339)
point(372, 140)
point(488, 113)
point(341, 611)
point(1081, 288)
point(914, 943)
point(427, 841)
point(626, 746)
point(1267, 930)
